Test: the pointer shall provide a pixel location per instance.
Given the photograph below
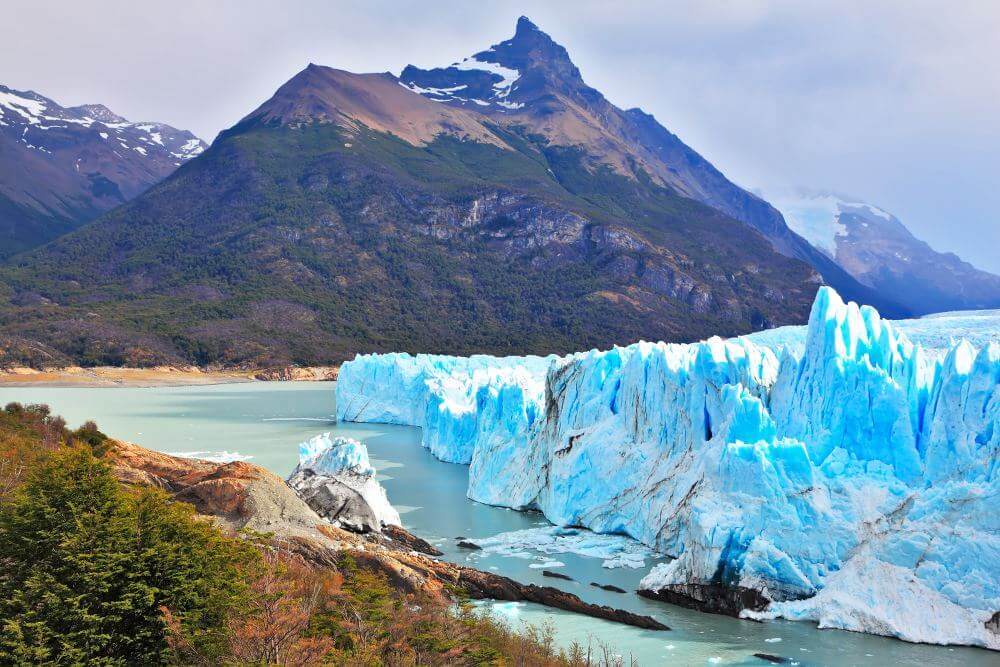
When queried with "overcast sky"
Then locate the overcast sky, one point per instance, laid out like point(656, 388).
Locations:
point(897, 103)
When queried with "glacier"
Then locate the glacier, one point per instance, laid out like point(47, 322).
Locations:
point(841, 472)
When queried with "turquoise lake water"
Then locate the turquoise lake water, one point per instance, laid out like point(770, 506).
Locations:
point(266, 421)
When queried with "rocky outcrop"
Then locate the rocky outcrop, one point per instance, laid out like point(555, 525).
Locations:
point(336, 479)
point(236, 495)
point(242, 495)
point(297, 373)
point(711, 598)
point(611, 588)
point(408, 540)
point(337, 501)
point(993, 625)
point(486, 585)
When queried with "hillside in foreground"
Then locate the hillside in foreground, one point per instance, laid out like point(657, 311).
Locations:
point(119, 555)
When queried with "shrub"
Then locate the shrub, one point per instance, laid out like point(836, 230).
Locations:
point(86, 570)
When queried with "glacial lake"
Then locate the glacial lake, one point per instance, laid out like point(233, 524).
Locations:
point(266, 421)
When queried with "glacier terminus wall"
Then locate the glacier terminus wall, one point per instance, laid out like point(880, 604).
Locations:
point(849, 479)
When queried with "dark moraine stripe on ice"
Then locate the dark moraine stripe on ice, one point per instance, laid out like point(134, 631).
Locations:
point(711, 598)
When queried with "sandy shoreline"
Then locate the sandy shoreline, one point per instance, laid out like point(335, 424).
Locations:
point(160, 376)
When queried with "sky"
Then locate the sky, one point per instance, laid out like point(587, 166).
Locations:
point(895, 102)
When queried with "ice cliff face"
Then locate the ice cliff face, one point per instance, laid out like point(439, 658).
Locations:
point(446, 395)
point(852, 481)
point(338, 482)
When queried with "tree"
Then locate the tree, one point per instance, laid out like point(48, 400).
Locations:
point(87, 568)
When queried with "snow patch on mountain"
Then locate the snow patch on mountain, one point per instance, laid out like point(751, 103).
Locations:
point(806, 479)
point(503, 88)
point(29, 109)
point(816, 219)
point(35, 115)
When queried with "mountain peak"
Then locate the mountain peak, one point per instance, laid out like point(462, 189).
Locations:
point(524, 24)
point(503, 78)
point(531, 47)
point(525, 29)
point(98, 112)
point(377, 101)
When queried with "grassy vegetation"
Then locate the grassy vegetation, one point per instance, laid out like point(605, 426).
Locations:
point(92, 572)
point(307, 245)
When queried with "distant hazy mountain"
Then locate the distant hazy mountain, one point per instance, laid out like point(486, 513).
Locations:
point(365, 212)
point(880, 252)
point(62, 166)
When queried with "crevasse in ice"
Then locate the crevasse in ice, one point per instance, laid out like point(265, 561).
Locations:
point(844, 472)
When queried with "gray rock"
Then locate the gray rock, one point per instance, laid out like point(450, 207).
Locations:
point(353, 502)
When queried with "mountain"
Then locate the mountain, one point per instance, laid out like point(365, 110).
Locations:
point(351, 213)
point(880, 252)
point(62, 166)
point(530, 82)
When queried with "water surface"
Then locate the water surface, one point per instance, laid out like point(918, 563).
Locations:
point(266, 421)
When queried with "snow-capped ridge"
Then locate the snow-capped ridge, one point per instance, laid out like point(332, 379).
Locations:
point(36, 114)
point(879, 251)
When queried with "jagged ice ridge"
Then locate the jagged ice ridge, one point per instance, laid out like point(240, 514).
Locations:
point(850, 480)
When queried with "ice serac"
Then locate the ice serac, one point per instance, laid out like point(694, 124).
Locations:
point(445, 395)
point(850, 479)
point(337, 481)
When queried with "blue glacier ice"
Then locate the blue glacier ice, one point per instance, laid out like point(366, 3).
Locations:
point(845, 472)
point(445, 394)
point(334, 455)
point(614, 550)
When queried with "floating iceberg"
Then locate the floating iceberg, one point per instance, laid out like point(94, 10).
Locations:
point(614, 550)
point(332, 456)
point(839, 472)
point(213, 457)
point(336, 479)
